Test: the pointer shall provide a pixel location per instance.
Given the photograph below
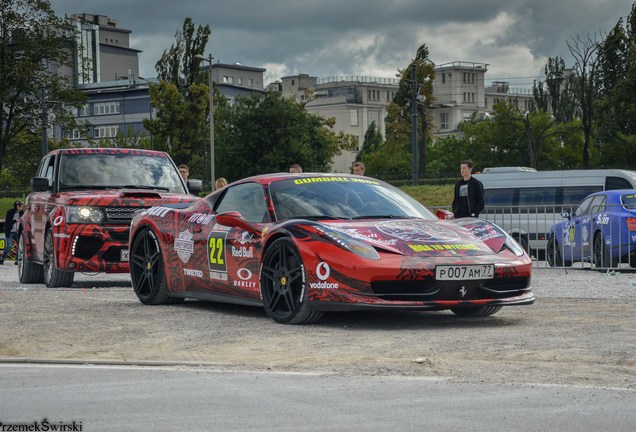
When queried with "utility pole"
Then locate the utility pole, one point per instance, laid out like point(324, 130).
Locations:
point(414, 170)
point(45, 121)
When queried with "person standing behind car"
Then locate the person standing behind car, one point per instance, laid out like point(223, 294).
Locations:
point(469, 193)
point(11, 227)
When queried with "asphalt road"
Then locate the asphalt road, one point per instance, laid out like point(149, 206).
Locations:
point(107, 398)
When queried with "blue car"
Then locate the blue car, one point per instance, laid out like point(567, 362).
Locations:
point(601, 230)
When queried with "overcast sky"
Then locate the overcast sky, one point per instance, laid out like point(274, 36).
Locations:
point(326, 38)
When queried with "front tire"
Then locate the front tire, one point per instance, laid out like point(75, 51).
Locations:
point(554, 253)
point(475, 311)
point(283, 286)
point(147, 270)
point(54, 277)
point(28, 271)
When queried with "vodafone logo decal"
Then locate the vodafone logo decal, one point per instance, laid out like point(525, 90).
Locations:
point(322, 271)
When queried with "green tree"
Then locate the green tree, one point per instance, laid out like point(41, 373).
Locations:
point(372, 141)
point(399, 113)
point(182, 100)
point(33, 44)
point(615, 104)
point(556, 94)
point(265, 133)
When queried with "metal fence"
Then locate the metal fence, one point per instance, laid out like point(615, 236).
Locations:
point(599, 239)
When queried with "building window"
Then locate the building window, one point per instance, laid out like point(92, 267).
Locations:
point(106, 108)
point(443, 120)
point(240, 81)
point(250, 82)
point(81, 112)
point(388, 96)
point(106, 131)
point(228, 79)
point(75, 134)
point(443, 78)
point(354, 117)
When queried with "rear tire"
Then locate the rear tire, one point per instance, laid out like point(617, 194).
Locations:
point(28, 271)
point(54, 277)
point(476, 311)
point(601, 255)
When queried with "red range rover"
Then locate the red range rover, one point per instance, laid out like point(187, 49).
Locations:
point(77, 217)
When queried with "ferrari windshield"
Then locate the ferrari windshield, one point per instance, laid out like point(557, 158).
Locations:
point(342, 198)
point(113, 170)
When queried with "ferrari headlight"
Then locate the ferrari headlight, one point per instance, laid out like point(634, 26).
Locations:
point(84, 215)
point(512, 245)
point(357, 247)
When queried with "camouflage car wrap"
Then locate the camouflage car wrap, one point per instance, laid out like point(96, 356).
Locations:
point(90, 245)
point(339, 264)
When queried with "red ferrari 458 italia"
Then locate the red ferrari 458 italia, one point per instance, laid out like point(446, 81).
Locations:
point(302, 244)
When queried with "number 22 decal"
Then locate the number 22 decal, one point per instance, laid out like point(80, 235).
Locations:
point(216, 251)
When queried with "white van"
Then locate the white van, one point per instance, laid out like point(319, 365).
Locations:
point(527, 203)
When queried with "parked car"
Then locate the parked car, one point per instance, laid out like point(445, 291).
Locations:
point(526, 202)
point(601, 230)
point(77, 217)
point(302, 244)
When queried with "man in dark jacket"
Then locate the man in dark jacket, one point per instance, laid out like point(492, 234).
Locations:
point(11, 228)
point(469, 193)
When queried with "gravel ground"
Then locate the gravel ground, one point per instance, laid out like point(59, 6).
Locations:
point(581, 330)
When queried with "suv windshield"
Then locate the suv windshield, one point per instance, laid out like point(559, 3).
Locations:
point(342, 198)
point(106, 171)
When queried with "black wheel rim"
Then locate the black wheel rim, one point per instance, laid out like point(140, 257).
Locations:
point(282, 281)
point(21, 256)
point(145, 265)
point(48, 254)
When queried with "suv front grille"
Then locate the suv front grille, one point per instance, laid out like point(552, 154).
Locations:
point(121, 214)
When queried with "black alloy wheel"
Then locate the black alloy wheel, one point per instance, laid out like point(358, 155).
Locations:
point(283, 286)
point(54, 277)
point(147, 270)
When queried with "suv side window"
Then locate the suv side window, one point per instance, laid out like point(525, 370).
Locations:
point(47, 169)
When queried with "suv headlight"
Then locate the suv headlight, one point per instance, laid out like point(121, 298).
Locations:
point(85, 215)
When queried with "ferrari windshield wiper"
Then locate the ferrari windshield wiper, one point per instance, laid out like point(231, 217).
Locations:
point(318, 217)
point(386, 216)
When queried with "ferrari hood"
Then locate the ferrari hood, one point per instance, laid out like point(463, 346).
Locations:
point(417, 237)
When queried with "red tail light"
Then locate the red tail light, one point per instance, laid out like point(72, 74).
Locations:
point(631, 223)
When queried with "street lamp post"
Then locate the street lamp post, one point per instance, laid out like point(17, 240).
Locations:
point(209, 60)
point(45, 121)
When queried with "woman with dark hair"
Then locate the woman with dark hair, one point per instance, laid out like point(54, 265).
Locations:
point(11, 227)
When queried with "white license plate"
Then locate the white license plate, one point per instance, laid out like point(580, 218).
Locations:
point(464, 272)
point(123, 255)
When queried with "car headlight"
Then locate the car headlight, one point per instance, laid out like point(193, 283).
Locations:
point(512, 245)
point(357, 247)
point(85, 215)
